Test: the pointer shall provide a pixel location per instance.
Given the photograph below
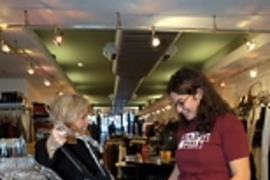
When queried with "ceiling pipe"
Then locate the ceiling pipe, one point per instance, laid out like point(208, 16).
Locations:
point(119, 25)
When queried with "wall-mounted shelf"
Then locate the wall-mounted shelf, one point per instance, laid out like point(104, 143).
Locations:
point(15, 105)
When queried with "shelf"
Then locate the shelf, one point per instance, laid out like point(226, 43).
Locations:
point(15, 105)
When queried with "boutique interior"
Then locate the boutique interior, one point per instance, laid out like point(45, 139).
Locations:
point(120, 57)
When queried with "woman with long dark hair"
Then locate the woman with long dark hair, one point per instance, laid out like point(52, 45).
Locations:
point(212, 142)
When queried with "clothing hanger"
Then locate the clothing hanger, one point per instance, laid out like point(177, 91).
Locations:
point(250, 96)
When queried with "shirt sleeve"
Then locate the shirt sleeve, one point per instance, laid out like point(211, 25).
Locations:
point(234, 138)
point(41, 154)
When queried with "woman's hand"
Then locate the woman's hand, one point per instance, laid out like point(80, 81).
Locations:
point(57, 138)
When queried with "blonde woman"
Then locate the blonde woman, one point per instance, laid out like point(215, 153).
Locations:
point(61, 151)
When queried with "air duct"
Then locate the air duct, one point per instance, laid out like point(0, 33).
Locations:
point(135, 60)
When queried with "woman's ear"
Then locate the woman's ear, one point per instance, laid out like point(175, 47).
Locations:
point(199, 93)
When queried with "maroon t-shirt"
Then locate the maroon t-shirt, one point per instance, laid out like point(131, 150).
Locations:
point(207, 156)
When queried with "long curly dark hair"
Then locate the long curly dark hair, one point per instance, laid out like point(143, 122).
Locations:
point(187, 81)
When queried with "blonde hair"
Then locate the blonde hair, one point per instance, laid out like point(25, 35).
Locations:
point(68, 108)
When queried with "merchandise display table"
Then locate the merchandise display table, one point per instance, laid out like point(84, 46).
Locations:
point(17, 164)
point(154, 170)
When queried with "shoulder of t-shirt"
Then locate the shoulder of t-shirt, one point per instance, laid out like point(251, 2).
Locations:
point(228, 116)
point(228, 120)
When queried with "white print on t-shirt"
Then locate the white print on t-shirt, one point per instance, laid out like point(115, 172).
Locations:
point(193, 140)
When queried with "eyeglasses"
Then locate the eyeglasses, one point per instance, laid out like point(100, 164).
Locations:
point(181, 103)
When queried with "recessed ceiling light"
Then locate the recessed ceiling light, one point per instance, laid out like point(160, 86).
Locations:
point(80, 64)
point(4, 47)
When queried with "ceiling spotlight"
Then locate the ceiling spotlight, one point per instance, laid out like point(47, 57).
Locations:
point(155, 39)
point(4, 47)
point(30, 69)
point(58, 39)
point(222, 84)
point(60, 93)
point(155, 42)
point(47, 82)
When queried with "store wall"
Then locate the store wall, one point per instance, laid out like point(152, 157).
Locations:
point(19, 85)
point(229, 94)
point(31, 93)
point(240, 85)
point(34, 95)
point(14, 84)
point(243, 87)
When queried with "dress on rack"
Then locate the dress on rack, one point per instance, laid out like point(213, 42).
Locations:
point(257, 141)
point(266, 145)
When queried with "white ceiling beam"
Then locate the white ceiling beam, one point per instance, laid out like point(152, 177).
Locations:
point(218, 63)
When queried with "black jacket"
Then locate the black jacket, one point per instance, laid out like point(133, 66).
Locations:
point(64, 166)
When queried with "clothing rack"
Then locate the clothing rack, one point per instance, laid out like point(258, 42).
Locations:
point(16, 116)
point(258, 119)
point(264, 98)
point(13, 106)
point(254, 110)
point(248, 102)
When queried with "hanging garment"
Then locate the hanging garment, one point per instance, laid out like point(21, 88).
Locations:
point(266, 145)
point(253, 170)
point(257, 141)
point(252, 119)
point(257, 138)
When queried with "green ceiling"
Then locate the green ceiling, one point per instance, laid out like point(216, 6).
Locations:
point(96, 79)
point(195, 49)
